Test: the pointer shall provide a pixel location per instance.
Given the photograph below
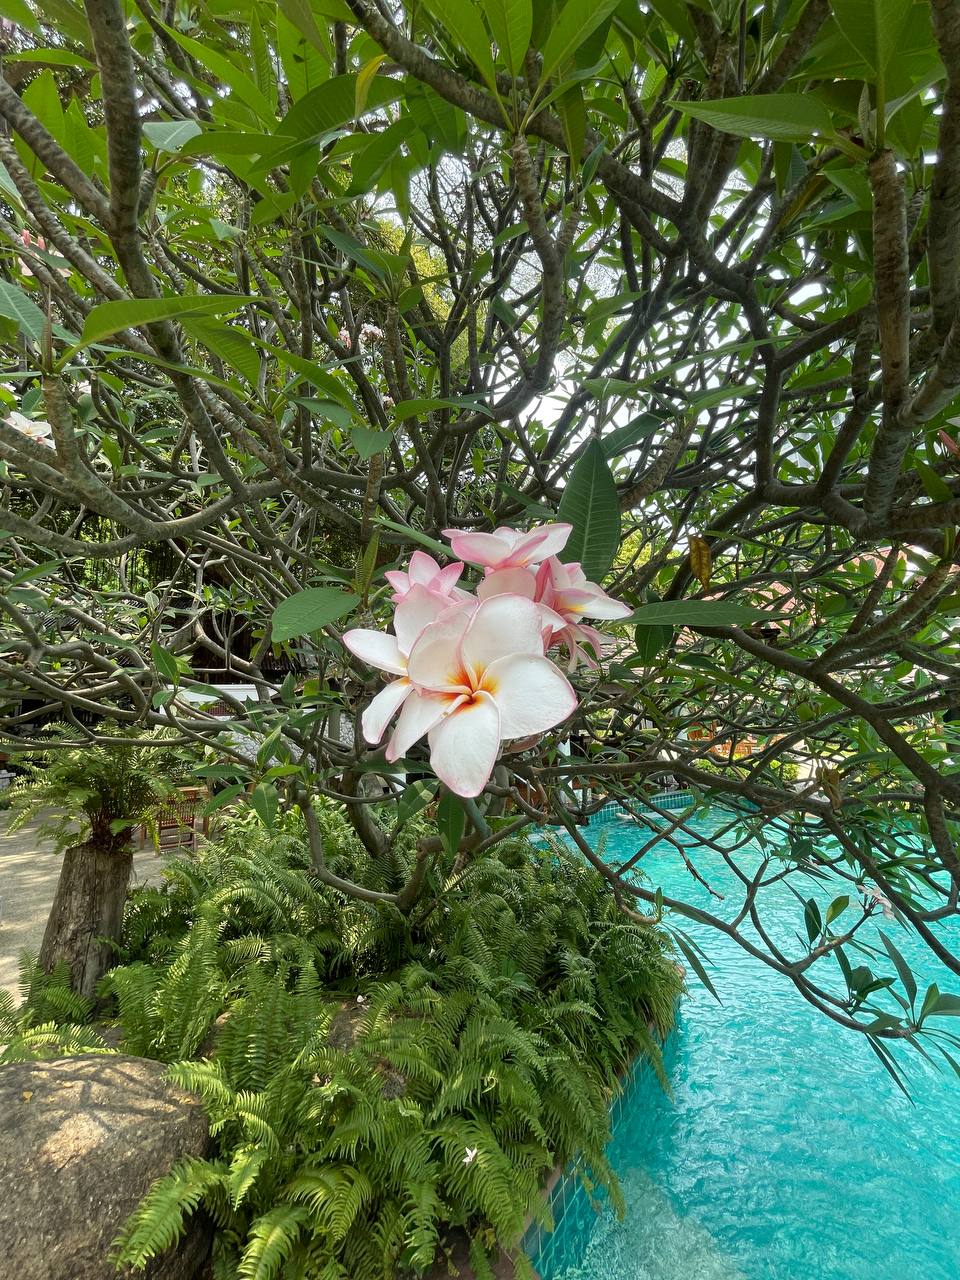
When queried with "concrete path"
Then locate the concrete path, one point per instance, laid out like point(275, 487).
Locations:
point(28, 881)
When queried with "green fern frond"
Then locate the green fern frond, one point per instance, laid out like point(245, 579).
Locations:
point(159, 1221)
point(272, 1239)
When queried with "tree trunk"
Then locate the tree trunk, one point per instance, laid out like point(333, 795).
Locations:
point(87, 914)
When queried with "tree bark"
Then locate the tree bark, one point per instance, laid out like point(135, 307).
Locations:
point(87, 914)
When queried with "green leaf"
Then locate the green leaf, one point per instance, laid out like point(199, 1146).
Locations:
point(837, 907)
point(333, 104)
point(416, 408)
point(812, 919)
point(591, 505)
point(624, 438)
point(351, 247)
point(415, 797)
point(934, 486)
point(689, 949)
point(903, 969)
point(464, 23)
point(511, 23)
point(651, 640)
point(873, 27)
point(165, 663)
point(311, 371)
point(224, 797)
point(113, 317)
point(265, 803)
point(310, 610)
point(573, 113)
point(451, 821)
point(945, 1006)
point(220, 65)
point(368, 442)
point(786, 117)
point(414, 535)
point(231, 343)
point(263, 72)
point(696, 613)
point(15, 305)
point(171, 135)
point(577, 21)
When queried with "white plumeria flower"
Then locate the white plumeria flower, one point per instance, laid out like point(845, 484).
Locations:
point(361, 999)
point(874, 896)
point(470, 1154)
point(41, 432)
point(564, 590)
point(480, 678)
point(419, 608)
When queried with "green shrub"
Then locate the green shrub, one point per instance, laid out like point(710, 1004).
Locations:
point(373, 1080)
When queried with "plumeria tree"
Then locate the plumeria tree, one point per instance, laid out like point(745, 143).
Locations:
point(654, 310)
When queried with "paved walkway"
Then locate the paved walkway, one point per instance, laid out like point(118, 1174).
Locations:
point(28, 881)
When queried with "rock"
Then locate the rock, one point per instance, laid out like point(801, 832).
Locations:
point(81, 1141)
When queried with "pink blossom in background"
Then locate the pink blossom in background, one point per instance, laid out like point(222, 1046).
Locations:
point(424, 571)
point(480, 679)
point(26, 239)
point(509, 548)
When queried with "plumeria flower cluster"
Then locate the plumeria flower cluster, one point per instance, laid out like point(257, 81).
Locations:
point(369, 336)
point(474, 670)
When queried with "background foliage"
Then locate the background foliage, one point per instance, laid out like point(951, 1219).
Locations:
point(319, 279)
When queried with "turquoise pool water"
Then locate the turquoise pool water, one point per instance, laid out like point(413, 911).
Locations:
point(786, 1151)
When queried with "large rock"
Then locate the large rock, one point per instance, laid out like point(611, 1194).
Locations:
point(81, 1140)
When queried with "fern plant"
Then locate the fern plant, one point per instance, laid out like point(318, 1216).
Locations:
point(49, 1021)
point(373, 1083)
point(98, 793)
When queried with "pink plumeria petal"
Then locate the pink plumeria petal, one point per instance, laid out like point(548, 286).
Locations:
point(383, 708)
point(435, 664)
point(376, 649)
point(550, 540)
point(501, 582)
point(531, 694)
point(448, 578)
point(501, 626)
point(421, 711)
point(607, 607)
point(423, 569)
point(465, 744)
point(478, 548)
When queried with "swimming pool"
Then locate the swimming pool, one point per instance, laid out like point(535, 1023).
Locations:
point(786, 1151)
